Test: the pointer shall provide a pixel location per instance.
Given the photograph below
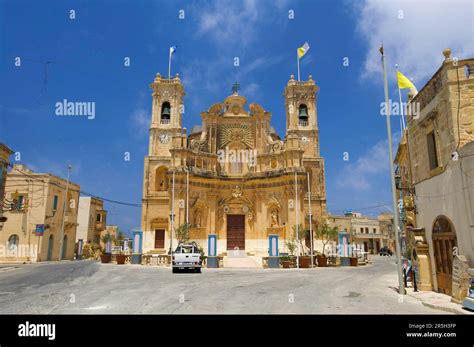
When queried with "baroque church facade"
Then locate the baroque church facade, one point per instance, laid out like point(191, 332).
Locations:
point(232, 176)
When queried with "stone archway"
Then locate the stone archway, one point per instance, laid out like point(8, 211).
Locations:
point(444, 241)
point(49, 256)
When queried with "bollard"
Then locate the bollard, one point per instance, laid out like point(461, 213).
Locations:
point(137, 247)
point(274, 258)
point(343, 248)
point(79, 248)
point(212, 259)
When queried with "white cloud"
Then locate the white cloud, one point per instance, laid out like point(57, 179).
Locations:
point(415, 42)
point(237, 22)
point(140, 119)
point(251, 91)
point(374, 164)
point(226, 21)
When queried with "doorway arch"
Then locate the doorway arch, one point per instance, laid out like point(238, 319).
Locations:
point(444, 241)
point(50, 248)
point(64, 252)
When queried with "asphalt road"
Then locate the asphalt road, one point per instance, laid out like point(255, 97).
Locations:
point(87, 287)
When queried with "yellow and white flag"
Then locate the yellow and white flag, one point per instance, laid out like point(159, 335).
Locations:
point(303, 50)
point(404, 82)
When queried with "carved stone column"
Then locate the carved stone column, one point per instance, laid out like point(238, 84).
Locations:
point(424, 261)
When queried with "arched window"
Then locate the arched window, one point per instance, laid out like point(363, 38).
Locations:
point(303, 115)
point(12, 242)
point(161, 181)
point(165, 113)
point(442, 225)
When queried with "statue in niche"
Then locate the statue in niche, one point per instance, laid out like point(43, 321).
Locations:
point(197, 218)
point(237, 192)
point(274, 219)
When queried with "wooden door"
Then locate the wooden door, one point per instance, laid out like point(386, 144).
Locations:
point(444, 241)
point(235, 232)
point(159, 238)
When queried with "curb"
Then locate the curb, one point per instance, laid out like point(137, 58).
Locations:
point(438, 307)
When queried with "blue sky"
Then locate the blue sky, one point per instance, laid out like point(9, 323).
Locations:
point(86, 63)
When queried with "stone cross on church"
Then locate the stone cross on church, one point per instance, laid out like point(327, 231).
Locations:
point(235, 88)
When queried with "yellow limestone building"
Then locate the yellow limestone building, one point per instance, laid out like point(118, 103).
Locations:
point(233, 175)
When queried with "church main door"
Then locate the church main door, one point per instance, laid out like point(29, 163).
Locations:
point(235, 232)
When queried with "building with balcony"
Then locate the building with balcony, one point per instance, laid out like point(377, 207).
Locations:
point(34, 207)
point(92, 219)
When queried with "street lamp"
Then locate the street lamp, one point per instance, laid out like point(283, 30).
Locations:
point(61, 239)
point(398, 182)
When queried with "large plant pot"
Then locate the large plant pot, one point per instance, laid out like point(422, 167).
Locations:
point(305, 262)
point(120, 258)
point(322, 261)
point(354, 261)
point(286, 264)
point(105, 258)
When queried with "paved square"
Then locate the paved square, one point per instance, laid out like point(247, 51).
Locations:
point(85, 287)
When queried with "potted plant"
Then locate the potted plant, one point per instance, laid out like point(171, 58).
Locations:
point(286, 261)
point(325, 233)
point(117, 242)
point(292, 246)
point(304, 260)
point(105, 255)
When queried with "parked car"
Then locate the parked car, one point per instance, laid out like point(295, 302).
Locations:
point(385, 251)
point(186, 257)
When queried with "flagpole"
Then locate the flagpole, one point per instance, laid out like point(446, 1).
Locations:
point(401, 288)
point(402, 120)
point(169, 65)
point(172, 217)
point(187, 196)
point(298, 62)
point(310, 218)
point(297, 229)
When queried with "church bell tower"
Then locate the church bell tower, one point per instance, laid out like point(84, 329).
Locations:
point(166, 118)
point(302, 115)
point(302, 124)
